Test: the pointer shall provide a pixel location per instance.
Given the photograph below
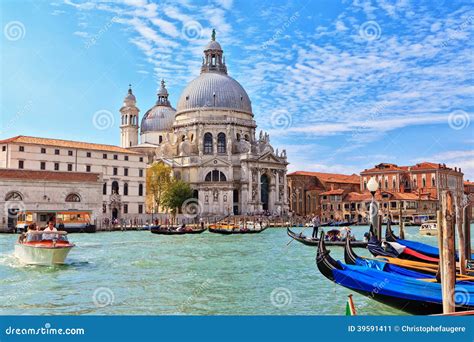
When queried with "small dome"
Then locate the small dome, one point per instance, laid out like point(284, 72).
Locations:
point(213, 45)
point(214, 90)
point(159, 118)
point(130, 98)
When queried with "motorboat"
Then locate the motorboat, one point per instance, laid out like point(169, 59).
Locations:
point(43, 248)
point(429, 228)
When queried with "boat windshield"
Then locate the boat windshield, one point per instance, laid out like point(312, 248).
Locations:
point(41, 236)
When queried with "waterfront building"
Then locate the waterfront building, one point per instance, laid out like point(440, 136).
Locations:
point(306, 189)
point(210, 142)
point(44, 175)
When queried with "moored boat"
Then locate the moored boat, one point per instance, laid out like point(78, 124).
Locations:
point(405, 293)
point(237, 230)
point(308, 241)
point(43, 248)
point(175, 230)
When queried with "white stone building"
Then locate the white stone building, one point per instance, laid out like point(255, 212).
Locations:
point(47, 175)
point(210, 141)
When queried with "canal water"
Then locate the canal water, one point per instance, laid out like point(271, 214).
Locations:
point(140, 273)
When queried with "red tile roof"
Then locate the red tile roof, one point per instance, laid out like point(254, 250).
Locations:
point(22, 139)
point(385, 167)
point(49, 175)
point(329, 177)
point(333, 192)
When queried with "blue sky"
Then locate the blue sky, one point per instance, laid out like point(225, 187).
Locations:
point(341, 85)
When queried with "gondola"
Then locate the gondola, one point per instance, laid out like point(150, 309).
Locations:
point(314, 242)
point(174, 230)
point(404, 293)
point(236, 231)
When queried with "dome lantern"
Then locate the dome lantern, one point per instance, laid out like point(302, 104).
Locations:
point(163, 95)
point(213, 60)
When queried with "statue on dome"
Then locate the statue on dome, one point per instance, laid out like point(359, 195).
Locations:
point(213, 36)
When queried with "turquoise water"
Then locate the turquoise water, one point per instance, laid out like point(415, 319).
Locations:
point(141, 273)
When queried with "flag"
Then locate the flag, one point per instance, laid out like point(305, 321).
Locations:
point(350, 308)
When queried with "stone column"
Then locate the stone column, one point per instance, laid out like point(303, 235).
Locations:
point(285, 193)
point(259, 187)
point(277, 184)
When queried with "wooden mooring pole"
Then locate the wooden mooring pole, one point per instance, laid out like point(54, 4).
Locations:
point(460, 231)
point(401, 224)
point(447, 253)
point(467, 231)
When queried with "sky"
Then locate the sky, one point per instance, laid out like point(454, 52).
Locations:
point(341, 85)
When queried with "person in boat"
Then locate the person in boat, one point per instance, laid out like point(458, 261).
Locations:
point(316, 224)
point(49, 230)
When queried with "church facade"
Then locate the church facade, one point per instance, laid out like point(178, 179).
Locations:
point(210, 141)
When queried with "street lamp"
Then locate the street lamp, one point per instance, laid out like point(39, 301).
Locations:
point(372, 186)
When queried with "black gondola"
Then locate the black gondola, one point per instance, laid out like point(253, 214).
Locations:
point(407, 294)
point(314, 242)
point(236, 231)
point(175, 230)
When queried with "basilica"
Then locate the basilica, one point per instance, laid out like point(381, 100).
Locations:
point(210, 141)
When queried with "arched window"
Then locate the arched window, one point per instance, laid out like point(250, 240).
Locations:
point(104, 189)
point(215, 176)
point(208, 143)
point(14, 196)
point(115, 187)
point(73, 198)
point(246, 137)
point(238, 136)
point(125, 189)
point(221, 148)
point(140, 189)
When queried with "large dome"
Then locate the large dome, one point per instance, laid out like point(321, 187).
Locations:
point(214, 90)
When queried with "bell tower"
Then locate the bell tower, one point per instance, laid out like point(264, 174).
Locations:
point(129, 120)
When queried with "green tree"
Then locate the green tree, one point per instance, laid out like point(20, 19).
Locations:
point(158, 179)
point(175, 195)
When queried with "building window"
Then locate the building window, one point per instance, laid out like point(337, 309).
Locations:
point(88, 168)
point(56, 166)
point(423, 180)
point(21, 164)
point(433, 181)
point(125, 208)
point(160, 139)
point(22, 148)
point(125, 189)
point(208, 143)
point(125, 171)
point(4, 148)
point(104, 208)
point(115, 171)
point(115, 157)
point(140, 208)
point(140, 173)
point(365, 185)
point(221, 144)
point(43, 150)
point(104, 156)
point(104, 189)
point(56, 151)
point(140, 189)
point(69, 167)
point(13, 196)
point(141, 159)
point(115, 187)
point(394, 183)
point(215, 176)
point(73, 198)
point(88, 154)
point(126, 158)
point(69, 153)
point(414, 181)
point(386, 183)
point(43, 165)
